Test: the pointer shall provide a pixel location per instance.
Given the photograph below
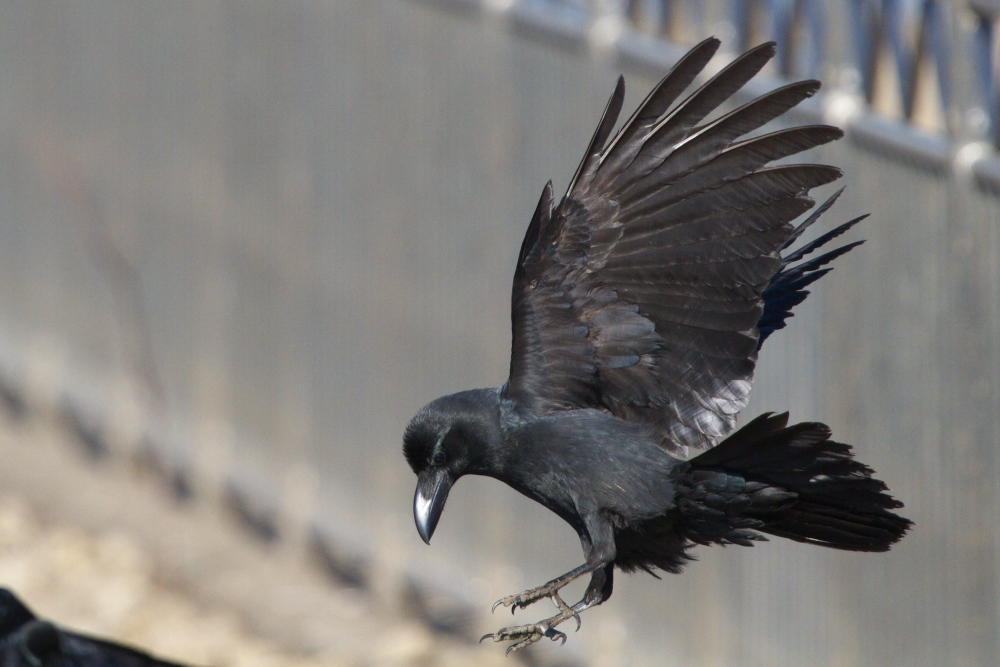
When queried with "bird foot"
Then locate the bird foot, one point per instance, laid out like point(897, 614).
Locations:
point(530, 597)
point(526, 635)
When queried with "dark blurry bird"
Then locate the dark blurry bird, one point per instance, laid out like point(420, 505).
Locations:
point(26, 641)
point(640, 302)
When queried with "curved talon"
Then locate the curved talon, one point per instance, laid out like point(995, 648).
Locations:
point(566, 610)
point(554, 634)
point(495, 605)
point(575, 615)
point(488, 634)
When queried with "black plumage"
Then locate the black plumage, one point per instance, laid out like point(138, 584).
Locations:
point(639, 304)
point(26, 641)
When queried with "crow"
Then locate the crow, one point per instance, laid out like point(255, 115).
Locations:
point(639, 305)
point(26, 641)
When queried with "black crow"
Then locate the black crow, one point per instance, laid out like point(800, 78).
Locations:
point(26, 641)
point(640, 302)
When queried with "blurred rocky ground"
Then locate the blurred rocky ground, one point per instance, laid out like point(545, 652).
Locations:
point(98, 547)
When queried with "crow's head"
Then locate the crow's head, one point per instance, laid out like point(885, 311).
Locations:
point(452, 436)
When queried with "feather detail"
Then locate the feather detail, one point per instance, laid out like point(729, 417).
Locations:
point(647, 290)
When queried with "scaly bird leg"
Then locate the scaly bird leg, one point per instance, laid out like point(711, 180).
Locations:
point(549, 590)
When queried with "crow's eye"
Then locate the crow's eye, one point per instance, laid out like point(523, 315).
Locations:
point(438, 458)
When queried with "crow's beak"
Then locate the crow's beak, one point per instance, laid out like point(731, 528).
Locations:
point(428, 501)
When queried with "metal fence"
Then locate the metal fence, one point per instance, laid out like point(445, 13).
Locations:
point(247, 240)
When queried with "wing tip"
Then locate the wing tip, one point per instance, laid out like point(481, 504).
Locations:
point(711, 39)
point(543, 213)
point(769, 48)
point(602, 133)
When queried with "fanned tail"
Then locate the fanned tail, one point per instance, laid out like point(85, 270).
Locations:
point(789, 481)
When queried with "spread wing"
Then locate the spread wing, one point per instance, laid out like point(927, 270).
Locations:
point(640, 293)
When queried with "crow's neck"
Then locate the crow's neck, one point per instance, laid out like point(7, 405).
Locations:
point(487, 453)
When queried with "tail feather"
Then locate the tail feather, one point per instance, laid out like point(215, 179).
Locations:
point(787, 481)
point(828, 526)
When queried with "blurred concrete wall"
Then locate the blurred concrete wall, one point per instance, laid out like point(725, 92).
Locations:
point(246, 241)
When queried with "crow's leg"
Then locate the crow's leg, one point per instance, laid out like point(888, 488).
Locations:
point(601, 584)
point(599, 546)
point(598, 591)
point(525, 635)
point(549, 590)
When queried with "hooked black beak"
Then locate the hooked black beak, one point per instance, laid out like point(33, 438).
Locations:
point(428, 501)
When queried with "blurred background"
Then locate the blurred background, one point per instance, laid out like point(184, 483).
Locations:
point(241, 243)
